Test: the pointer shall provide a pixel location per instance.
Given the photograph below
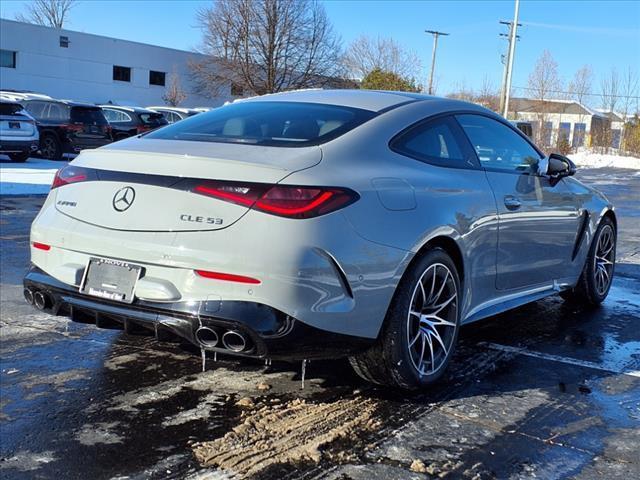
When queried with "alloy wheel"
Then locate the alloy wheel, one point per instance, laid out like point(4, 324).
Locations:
point(49, 150)
point(604, 260)
point(432, 319)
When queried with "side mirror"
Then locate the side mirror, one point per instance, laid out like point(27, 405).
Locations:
point(559, 166)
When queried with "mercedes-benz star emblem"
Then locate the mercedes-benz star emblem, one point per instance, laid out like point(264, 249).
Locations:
point(123, 199)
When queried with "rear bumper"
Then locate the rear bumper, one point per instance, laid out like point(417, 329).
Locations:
point(269, 333)
point(9, 145)
point(76, 145)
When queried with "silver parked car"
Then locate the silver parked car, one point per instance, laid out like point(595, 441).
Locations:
point(19, 136)
point(318, 224)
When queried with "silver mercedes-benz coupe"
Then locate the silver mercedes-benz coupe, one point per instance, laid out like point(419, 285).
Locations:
point(318, 224)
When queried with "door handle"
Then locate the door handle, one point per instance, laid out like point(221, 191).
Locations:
point(512, 203)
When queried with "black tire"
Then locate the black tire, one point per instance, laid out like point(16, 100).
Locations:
point(391, 360)
point(588, 291)
point(50, 147)
point(19, 157)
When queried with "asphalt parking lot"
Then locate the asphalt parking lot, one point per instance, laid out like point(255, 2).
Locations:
point(545, 391)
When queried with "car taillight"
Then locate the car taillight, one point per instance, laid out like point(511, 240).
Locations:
point(71, 174)
point(282, 200)
point(74, 127)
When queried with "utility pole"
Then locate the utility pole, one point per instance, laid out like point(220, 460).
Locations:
point(433, 56)
point(508, 69)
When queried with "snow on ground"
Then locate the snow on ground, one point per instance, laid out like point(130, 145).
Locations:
point(32, 177)
point(587, 159)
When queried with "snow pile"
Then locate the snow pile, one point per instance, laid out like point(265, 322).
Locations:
point(587, 159)
point(32, 177)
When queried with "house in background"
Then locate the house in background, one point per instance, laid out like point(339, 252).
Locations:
point(553, 119)
point(617, 126)
point(93, 68)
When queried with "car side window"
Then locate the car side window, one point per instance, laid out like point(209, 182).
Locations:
point(110, 115)
point(498, 147)
point(436, 142)
point(35, 108)
point(58, 112)
point(116, 116)
point(171, 116)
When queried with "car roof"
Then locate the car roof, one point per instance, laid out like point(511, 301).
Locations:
point(174, 109)
point(9, 101)
point(372, 100)
point(128, 109)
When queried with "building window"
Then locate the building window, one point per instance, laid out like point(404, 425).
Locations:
point(157, 78)
point(236, 90)
point(64, 41)
point(564, 132)
point(121, 74)
point(7, 58)
point(579, 133)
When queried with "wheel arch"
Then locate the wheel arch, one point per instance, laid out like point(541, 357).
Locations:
point(609, 213)
point(450, 246)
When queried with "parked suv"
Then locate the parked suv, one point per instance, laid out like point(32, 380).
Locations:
point(175, 114)
point(67, 127)
point(18, 132)
point(129, 121)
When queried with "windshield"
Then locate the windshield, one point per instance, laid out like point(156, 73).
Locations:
point(288, 124)
point(90, 116)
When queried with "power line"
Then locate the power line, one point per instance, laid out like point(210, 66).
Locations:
point(635, 97)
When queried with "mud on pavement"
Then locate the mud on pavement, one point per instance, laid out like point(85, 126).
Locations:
point(546, 391)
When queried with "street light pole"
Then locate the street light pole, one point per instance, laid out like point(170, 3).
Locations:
point(433, 56)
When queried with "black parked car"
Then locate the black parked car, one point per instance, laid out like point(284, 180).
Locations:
point(129, 121)
point(67, 127)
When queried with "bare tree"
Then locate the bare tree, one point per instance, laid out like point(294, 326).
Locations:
point(174, 94)
point(609, 90)
point(629, 95)
point(580, 86)
point(265, 46)
point(629, 90)
point(488, 95)
point(51, 13)
point(544, 84)
point(366, 54)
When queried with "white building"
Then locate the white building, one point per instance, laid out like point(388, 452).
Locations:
point(551, 119)
point(92, 68)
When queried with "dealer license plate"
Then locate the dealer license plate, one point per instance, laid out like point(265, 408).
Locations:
point(111, 279)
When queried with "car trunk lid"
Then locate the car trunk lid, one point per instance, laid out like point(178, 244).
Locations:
point(148, 185)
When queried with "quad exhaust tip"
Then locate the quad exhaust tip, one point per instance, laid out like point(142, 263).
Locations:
point(40, 300)
point(207, 337)
point(28, 295)
point(234, 341)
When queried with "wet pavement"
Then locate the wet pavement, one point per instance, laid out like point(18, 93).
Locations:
point(546, 391)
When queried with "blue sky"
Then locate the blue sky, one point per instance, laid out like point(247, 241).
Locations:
point(600, 33)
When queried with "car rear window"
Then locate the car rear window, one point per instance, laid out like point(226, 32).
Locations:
point(153, 119)
point(10, 108)
point(287, 124)
point(88, 115)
